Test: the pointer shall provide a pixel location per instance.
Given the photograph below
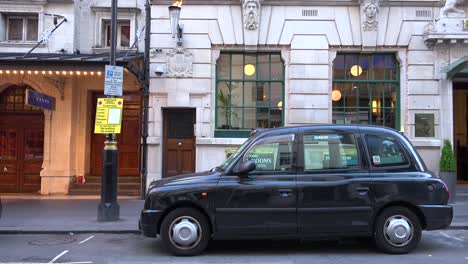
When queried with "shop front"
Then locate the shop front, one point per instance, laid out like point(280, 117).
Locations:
point(44, 148)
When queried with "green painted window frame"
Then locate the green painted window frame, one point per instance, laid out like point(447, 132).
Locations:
point(245, 132)
point(370, 81)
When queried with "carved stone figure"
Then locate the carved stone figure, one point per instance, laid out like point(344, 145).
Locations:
point(451, 6)
point(251, 9)
point(370, 9)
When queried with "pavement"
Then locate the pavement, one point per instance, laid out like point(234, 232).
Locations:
point(75, 214)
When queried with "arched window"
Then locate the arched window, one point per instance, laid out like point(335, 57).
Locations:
point(366, 90)
point(13, 100)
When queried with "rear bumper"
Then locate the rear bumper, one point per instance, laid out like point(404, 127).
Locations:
point(149, 222)
point(437, 216)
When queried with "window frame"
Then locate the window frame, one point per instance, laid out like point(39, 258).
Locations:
point(370, 81)
point(372, 167)
point(24, 31)
point(293, 168)
point(357, 168)
point(120, 23)
point(242, 132)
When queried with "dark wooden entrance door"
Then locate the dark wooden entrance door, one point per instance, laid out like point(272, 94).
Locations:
point(21, 143)
point(178, 142)
point(128, 140)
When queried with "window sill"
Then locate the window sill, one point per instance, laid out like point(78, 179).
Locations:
point(107, 49)
point(19, 44)
point(225, 133)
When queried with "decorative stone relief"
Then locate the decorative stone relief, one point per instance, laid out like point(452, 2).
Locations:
point(370, 10)
point(179, 63)
point(251, 9)
point(451, 6)
point(58, 83)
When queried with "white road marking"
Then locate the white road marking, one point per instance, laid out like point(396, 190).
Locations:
point(58, 256)
point(86, 240)
point(451, 237)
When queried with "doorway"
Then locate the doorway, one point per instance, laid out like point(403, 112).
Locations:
point(128, 140)
point(178, 141)
point(21, 142)
point(460, 104)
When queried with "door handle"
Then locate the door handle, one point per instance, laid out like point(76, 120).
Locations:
point(179, 144)
point(285, 192)
point(362, 190)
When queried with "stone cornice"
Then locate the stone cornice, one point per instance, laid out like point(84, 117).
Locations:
point(427, 3)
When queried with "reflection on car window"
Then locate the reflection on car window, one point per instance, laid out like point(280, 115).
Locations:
point(231, 158)
point(330, 151)
point(385, 151)
point(272, 154)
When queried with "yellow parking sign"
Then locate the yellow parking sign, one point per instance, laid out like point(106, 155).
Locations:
point(108, 116)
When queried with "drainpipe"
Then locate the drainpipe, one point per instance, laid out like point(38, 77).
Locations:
point(145, 103)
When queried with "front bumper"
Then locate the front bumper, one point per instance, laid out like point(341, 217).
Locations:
point(437, 216)
point(149, 222)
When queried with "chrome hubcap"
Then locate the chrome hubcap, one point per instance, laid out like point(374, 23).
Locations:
point(398, 231)
point(185, 232)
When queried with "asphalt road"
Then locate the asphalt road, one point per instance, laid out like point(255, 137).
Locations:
point(448, 246)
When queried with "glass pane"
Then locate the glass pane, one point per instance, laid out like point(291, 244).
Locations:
point(385, 151)
point(32, 29)
point(276, 117)
point(235, 89)
point(339, 67)
point(263, 67)
point(263, 94)
point(363, 68)
point(390, 117)
point(229, 118)
point(276, 94)
point(330, 151)
point(224, 66)
point(276, 68)
point(124, 35)
point(378, 62)
point(237, 71)
point(263, 116)
point(7, 144)
point(364, 94)
point(389, 95)
point(250, 67)
point(272, 154)
point(351, 62)
point(250, 115)
point(33, 143)
point(224, 96)
point(108, 34)
point(250, 94)
point(15, 29)
point(392, 69)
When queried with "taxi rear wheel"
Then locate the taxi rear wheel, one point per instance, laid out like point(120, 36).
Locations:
point(397, 230)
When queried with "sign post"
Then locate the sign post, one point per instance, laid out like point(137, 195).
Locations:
point(108, 208)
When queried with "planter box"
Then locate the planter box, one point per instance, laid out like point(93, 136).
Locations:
point(450, 179)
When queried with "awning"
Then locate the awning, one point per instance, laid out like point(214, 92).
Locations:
point(134, 62)
point(459, 66)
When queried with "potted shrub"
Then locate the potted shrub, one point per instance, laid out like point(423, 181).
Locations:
point(448, 169)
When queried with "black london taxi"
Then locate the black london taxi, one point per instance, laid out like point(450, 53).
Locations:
point(303, 182)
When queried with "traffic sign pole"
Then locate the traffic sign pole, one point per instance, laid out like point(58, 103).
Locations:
point(109, 209)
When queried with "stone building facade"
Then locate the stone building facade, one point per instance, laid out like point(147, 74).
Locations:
point(407, 60)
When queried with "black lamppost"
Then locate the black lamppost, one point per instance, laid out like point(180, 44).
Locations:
point(109, 209)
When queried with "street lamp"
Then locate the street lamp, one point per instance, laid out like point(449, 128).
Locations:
point(174, 16)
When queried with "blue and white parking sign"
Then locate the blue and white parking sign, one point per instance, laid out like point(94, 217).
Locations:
point(113, 82)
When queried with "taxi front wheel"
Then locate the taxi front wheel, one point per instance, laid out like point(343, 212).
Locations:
point(185, 232)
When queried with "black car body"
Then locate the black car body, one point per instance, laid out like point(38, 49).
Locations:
point(300, 182)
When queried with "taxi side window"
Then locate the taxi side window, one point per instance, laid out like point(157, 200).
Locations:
point(385, 151)
point(330, 151)
point(272, 154)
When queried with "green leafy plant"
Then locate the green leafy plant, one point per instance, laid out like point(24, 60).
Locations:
point(225, 99)
point(447, 160)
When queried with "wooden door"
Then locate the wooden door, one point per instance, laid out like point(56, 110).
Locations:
point(128, 140)
point(178, 142)
point(21, 143)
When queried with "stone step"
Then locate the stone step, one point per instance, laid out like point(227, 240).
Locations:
point(135, 193)
point(126, 179)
